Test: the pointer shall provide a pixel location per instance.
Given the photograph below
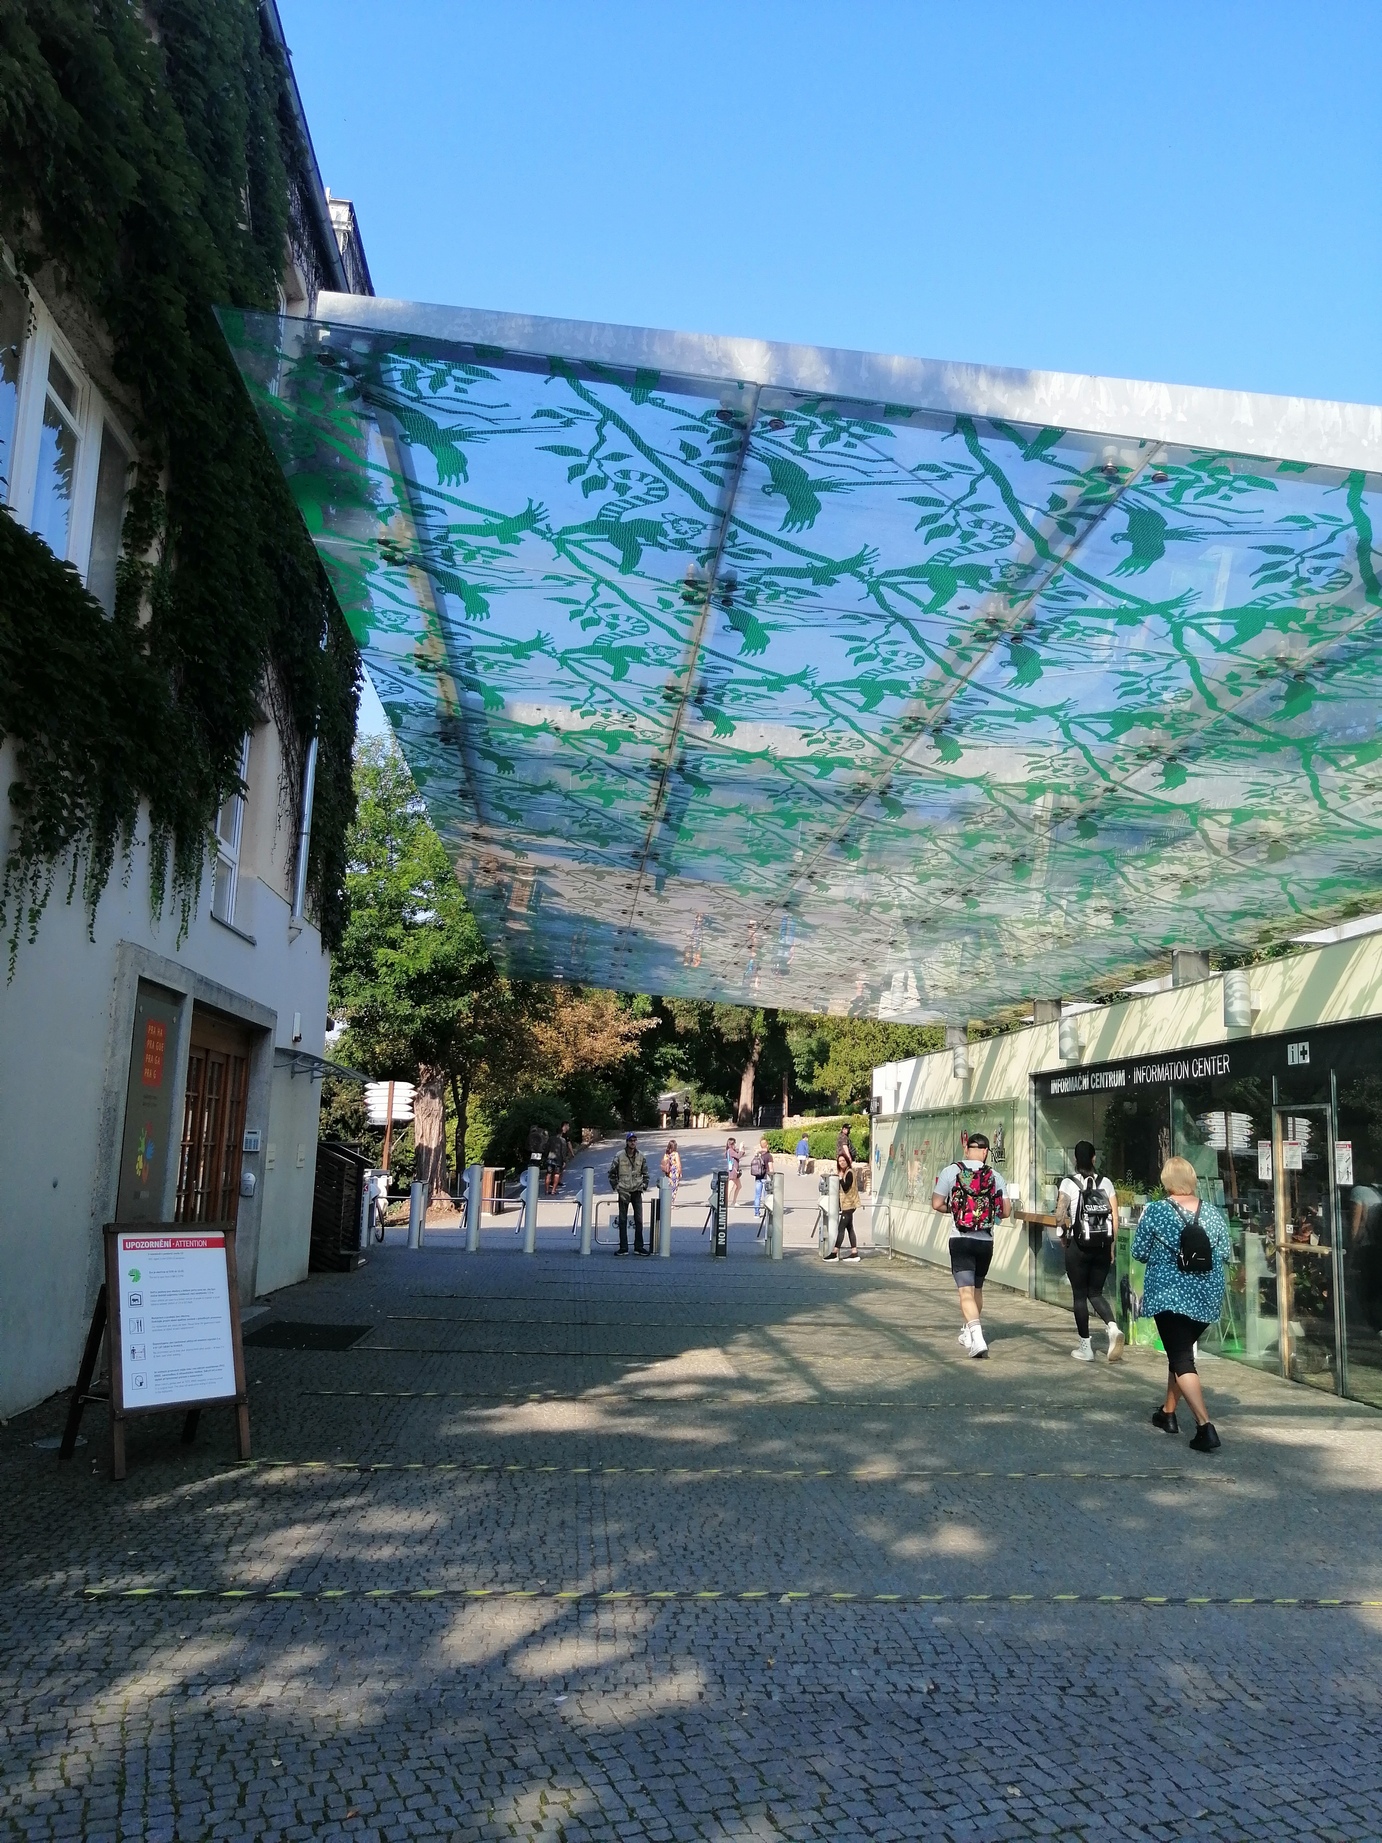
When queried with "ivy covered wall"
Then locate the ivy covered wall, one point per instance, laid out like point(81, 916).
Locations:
point(144, 170)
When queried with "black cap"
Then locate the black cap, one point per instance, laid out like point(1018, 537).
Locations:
point(1084, 1155)
point(978, 1139)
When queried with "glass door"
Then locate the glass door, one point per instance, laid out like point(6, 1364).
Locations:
point(1307, 1252)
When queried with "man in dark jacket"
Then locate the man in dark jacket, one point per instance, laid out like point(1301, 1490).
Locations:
point(630, 1176)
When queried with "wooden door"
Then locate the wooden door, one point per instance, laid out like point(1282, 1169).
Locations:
point(213, 1122)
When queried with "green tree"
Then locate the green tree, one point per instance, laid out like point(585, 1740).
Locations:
point(836, 1056)
point(412, 977)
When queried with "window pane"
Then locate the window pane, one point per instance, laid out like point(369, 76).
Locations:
point(227, 823)
point(57, 474)
point(109, 517)
point(60, 383)
point(223, 891)
point(12, 317)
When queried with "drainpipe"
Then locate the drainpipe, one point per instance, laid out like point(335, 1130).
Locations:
point(309, 788)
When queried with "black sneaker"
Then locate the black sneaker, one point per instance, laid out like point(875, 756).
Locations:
point(1166, 1422)
point(1206, 1440)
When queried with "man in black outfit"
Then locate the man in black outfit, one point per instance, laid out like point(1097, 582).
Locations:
point(630, 1176)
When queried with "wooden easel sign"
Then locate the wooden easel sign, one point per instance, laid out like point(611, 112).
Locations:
point(170, 1309)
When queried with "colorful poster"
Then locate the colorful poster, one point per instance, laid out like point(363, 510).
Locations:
point(174, 1318)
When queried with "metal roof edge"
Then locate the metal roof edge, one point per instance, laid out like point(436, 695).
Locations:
point(1308, 429)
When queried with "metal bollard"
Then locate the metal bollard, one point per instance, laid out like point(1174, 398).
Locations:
point(832, 1208)
point(587, 1208)
point(417, 1214)
point(664, 1217)
point(474, 1183)
point(366, 1210)
point(531, 1179)
point(779, 1212)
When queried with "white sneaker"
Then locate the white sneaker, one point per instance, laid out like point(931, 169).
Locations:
point(1083, 1351)
point(977, 1346)
point(964, 1336)
point(1116, 1341)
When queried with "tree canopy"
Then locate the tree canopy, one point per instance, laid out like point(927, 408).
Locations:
point(425, 1002)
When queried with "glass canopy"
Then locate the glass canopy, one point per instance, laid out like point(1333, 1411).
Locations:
point(720, 685)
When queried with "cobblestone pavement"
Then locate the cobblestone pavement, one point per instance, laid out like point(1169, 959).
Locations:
point(562, 1548)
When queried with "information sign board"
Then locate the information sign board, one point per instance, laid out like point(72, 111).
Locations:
point(174, 1317)
point(1343, 1162)
point(169, 1315)
point(719, 1204)
point(1292, 1158)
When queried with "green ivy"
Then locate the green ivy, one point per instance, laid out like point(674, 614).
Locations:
point(144, 154)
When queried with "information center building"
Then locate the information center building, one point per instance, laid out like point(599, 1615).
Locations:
point(1281, 1119)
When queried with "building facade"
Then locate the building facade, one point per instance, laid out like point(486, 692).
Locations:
point(1268, 1080)
point(150, 1071)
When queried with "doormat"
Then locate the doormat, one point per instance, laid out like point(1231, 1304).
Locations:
point(289, 1336)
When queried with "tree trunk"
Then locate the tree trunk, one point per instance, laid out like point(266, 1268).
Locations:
point(744, 1112)
point(429, 1130)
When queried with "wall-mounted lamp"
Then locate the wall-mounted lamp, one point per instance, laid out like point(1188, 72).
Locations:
point(957, 1042)
point(1239, 1008)
point(1068, 1040)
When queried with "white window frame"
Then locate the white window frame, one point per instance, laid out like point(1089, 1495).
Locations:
point(227, 853)
point(92, 416)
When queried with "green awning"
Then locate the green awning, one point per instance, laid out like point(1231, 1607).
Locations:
point(840, 682)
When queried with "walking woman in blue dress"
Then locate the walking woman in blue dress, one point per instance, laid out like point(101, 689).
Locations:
point(1184, 1304)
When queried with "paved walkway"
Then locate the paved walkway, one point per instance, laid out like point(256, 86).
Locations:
point(688, 1549)
point(701, 1153)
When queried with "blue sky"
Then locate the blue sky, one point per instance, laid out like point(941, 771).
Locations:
point(1178, 191)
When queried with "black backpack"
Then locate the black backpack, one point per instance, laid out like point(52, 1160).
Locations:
point(1094, 1213)
point(1196, 1251)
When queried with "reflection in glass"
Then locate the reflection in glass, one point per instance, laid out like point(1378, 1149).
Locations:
point(1217, 1126)
point(1305, 1247)
point(11, 348)
point(1131, 1137)
point(57, 462)
point(1360, 1127)
point(108, 519)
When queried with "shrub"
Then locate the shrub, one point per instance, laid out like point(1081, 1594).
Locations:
point(821, 1136)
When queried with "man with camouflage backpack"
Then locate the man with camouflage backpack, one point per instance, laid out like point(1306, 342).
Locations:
point(975, 1197)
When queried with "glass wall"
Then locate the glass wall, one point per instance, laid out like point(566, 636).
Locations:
point(921, 1146)
point(1359, 1111)
point(1131, 1135)
point(1286, 1137)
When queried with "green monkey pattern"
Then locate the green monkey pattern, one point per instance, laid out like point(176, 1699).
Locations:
point(736, 692)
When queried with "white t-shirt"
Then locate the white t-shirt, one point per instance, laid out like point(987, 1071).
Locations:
point(945, 1183)
point(1072, 1189)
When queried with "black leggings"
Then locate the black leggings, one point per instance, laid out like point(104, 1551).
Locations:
point(846, 1228)
point(1086, 1268)
point(1178, 1335)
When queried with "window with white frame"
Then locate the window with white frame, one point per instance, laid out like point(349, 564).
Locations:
point(13, 315)
point(64, 462)
point(230, 825)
